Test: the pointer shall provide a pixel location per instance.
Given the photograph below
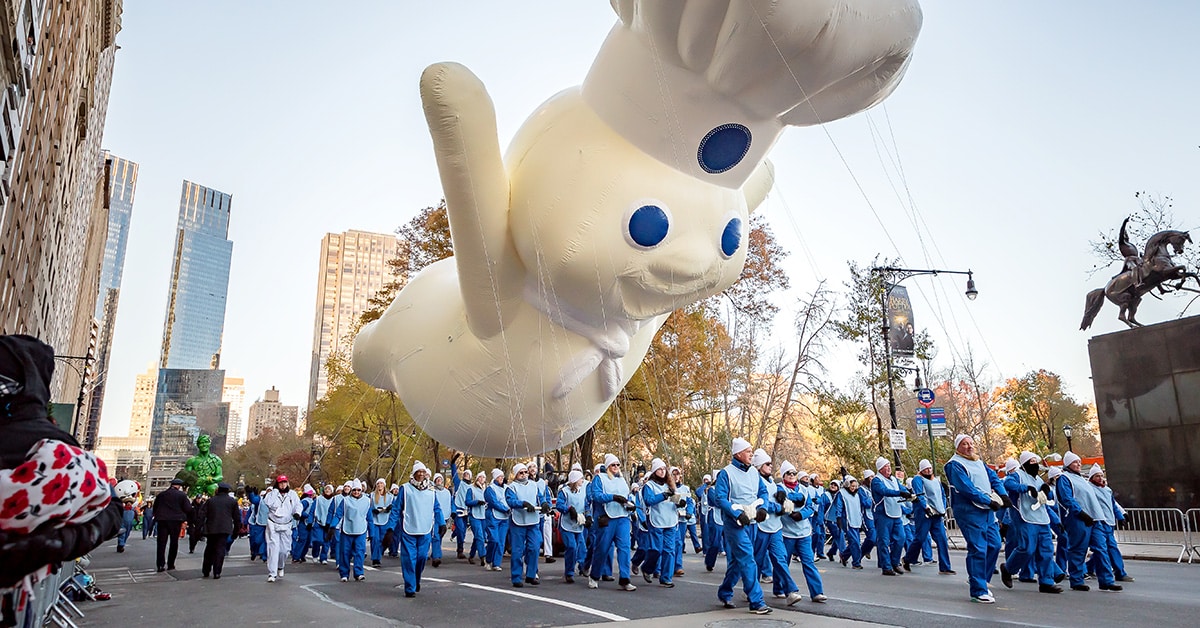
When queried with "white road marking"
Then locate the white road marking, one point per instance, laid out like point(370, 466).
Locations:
point(571, 605)
point(326, 598)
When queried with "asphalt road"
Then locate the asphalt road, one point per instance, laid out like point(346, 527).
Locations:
point(458, 594)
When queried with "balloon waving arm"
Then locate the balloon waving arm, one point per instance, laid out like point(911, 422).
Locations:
point(462, 122)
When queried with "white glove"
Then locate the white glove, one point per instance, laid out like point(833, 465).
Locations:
point(996, 499)
point(580, 518)
point(788, 507)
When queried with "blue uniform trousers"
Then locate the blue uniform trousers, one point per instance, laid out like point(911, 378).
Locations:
point(982, 534)
point(739, 557)
point(616, 533)
point(889, 536)
point(352, 549)
point(691, 530)
point(376, 532)
point(498, 535)
point(460, 532)
point(435, 545)
point(319, 548)
point(300, 536)
point(868, 543)
point(413, 550)
point(803, 549)
point(1035, 548)
point(128, 517)
point(258, 542)
point(852, 550)
point(660, 553)
point(680, 544)
point(335, 546)
point(573, 553)
point(929, 527)
point(526, 543)
point(773, 554)
point(1083, 537)
point(713, 546)
point(836, 544)
point(478, 537)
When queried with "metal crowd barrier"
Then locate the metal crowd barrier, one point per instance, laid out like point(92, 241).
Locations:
point(48, 604)
point(1192, 519)
point(1165, 527)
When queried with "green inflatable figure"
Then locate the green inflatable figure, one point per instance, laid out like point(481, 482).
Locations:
point(207, 468)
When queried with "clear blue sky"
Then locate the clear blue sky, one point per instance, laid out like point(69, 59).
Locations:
point(1021, 130)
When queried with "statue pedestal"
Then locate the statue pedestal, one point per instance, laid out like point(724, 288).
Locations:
point(1147, 385)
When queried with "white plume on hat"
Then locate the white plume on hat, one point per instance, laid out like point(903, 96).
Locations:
point(760, 457)
point(519, 467)
point(924, 464)
point(574, 476)
point(739, 445)
point(419, 466)
point(1070, 458)
point(1026, 456)
point(610, 460)
point(657, 464)
point(786, 467)
point(1095, 470)
point(881, 462)
point(959, 439)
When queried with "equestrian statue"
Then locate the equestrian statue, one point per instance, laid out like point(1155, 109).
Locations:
point(1141, 274)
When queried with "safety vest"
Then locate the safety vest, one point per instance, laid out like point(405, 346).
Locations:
point(663, 514)
point(478, 511)
point(524, 492)
point(853, 508)
point(933, 493)
point(614, 486)
point(978, 473)
point(572, 499)
point(354, 515)
point(1025, 503)
point(772, 523)
point(891, 505)
point(1087, 498)
point(1105, 498)
point(321, 510)
point(381, 501)
point(418, 510)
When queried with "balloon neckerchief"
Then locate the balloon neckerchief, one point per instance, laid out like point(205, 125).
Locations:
point(610, 343)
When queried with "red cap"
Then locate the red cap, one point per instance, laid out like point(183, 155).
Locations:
point(282, 478)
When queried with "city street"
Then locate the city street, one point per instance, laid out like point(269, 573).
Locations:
point(461, 594)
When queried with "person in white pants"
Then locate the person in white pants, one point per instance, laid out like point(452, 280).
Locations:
point(283, 507)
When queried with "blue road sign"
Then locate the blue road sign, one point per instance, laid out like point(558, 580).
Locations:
point(925, 396)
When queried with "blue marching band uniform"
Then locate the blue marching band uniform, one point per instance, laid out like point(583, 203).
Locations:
point(758, 521)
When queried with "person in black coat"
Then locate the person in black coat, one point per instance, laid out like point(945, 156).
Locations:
point(24, 421)
point(195, 527)
point(171, 509)
point(222, 518)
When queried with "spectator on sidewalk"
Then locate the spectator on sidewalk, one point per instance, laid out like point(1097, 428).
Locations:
point(171, 509)
point(222, 519)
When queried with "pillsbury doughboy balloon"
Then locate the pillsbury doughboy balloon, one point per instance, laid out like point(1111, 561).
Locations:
point(617, 202)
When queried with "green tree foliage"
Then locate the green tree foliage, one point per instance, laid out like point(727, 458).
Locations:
point(260, 458)
point(845, 428)
point(423, 240)
point(1038, 408)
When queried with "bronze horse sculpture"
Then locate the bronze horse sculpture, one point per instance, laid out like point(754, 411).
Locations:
point(1141, 274)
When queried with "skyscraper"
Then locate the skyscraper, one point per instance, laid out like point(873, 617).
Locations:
point(199, 280)
point(120, 180)
point(353, 268)
point(141, 418)
point(234, 393)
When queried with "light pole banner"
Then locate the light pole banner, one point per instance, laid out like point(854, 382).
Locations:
point(900, 322)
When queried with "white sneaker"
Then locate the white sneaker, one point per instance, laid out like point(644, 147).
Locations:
point(765, 579)
point(592, 584)
point(345, 580)
point(629, 587)
point(280, 574)
point(986, 598)
point(270, 578)
point(819, 598)
point(778, 596)
point(324, 562)
point(794, 597)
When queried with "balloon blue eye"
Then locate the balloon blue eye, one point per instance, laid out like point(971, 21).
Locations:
point(731, 238)
point(648, 225)
point(723, 148)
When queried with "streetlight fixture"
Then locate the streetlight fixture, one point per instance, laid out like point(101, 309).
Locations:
point(1067, 433)
point(895, 276)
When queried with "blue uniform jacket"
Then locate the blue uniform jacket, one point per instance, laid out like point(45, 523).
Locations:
point(719, 495)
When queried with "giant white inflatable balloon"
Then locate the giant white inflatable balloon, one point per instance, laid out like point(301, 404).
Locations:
point(617, 202)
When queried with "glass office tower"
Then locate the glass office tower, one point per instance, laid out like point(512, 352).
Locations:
point(199, 281)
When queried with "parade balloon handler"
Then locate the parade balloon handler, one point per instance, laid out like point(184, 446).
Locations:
point(611, 508)
point(417, 517)
point(798, 528)
point(445, 503)
point(1111, 512)
point(55, 498)
point(976, 494)
point(739, 493)
point(769, 549)
point(929, 514)
point(525, 500)
point(350, 520)
point(380, 521)
point(498, 517)
point(322, 509)
point(889, 528)
point(475, 499)
point(1084, 509)
point(572, 504)
point(1035, 545)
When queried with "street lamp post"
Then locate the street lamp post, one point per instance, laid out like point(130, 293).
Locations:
point(83, 382)
point(895, 276)
point(1067, 433)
